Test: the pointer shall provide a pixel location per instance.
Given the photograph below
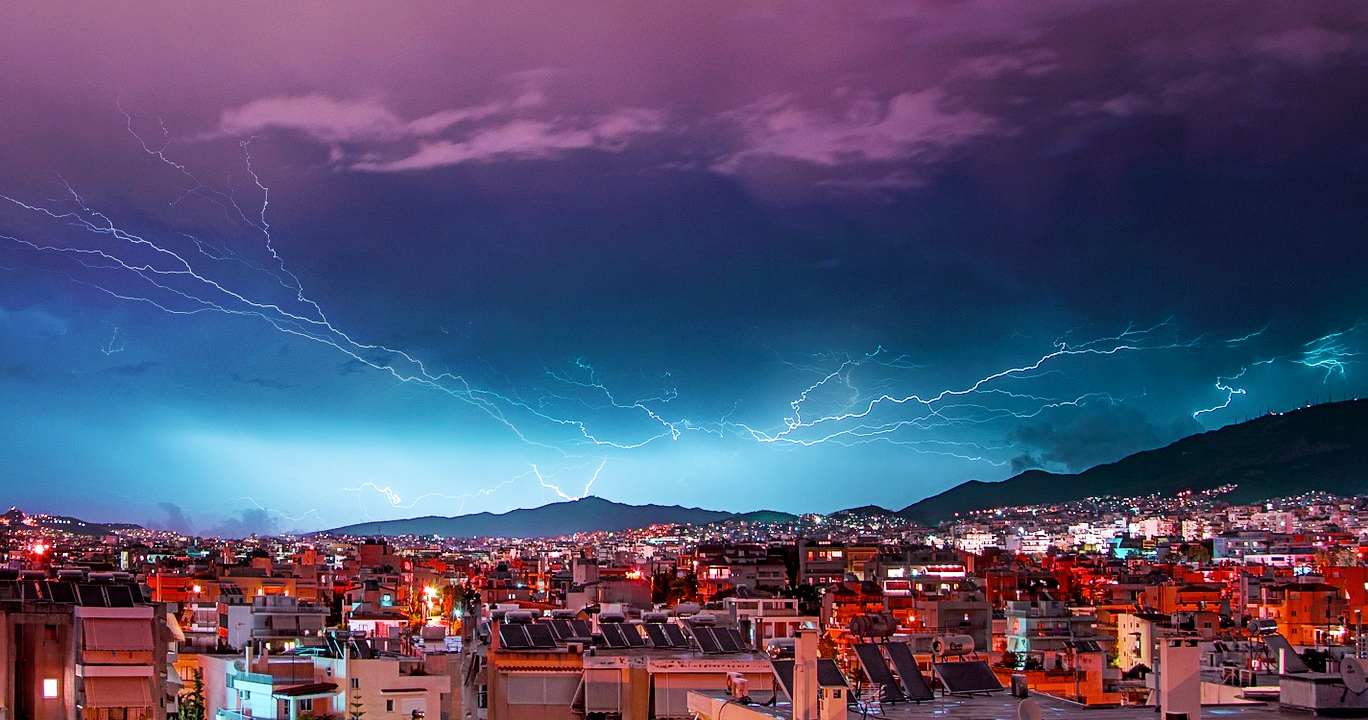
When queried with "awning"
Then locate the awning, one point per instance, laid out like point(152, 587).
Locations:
point(307, 690)
point(176, 632)
point(116, 635)
point(117, 692)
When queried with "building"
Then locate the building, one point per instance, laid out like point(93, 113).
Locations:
point(1046, 630)
point(272, 623)
point(1137, 638)
point(765, 619)
point(83, 646)
point(632, 671)
point(345, 674)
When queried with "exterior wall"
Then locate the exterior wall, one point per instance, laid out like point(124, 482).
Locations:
point(215, 671)
point(374, 677)
point(37, 646)
point(1134, 641)
point(239, 628)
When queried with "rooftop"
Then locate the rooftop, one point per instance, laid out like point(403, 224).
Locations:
point(1000, 706)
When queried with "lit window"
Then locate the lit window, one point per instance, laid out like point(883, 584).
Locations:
point(49, 687)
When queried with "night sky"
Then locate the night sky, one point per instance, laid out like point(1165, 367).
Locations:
point(267, 268)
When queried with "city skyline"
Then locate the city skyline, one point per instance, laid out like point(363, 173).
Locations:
point(440, 260)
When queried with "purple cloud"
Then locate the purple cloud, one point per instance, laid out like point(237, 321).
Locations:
point(527, 139)
point(912, 126)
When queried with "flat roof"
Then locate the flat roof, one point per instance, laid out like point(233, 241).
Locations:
point(1004, 706)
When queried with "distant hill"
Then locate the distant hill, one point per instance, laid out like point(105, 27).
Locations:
point(864, 511)
point(1322, 447)
point(765, 516)
point(17, 517)
point(562, 518)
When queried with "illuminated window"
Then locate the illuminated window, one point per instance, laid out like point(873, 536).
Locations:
point(49, 687)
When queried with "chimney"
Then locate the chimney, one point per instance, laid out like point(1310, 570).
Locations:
point(805, 675)
point(1180, 680)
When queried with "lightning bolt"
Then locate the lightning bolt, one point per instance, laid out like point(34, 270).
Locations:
point(861, 400)
point(1331, 353)
point(936, 411)
point(396, 501)
point(561, 493)
point(114, 345)
point(294, 520)
point(1230, 391)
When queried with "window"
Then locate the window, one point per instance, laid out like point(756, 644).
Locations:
point(355, 683)
point(49, 688)
point(389, 706)
point(556, 689)
point(306, 704)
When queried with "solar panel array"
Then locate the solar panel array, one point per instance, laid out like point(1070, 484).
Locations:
point(828, 674)
point(876, 671)
point(560, 628)
point(526, 636)
point(68, 592)
point(912, 679)
point(613, 636)
point(718, 639)
point(541, 636)
point(513, 637)
point(675, 635)
point(967, 677)
point(656, 635)
point(783, 670)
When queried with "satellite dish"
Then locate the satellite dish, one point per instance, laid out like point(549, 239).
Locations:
point(1028, 709)
point(1354, 671)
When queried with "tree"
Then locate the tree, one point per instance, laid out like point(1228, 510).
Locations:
point(809, 597)
point(191, 700)
point(355, 713)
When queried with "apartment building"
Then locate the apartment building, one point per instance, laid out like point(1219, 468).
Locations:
point(82, 646)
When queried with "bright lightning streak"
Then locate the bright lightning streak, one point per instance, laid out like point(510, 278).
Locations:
point(561, 493)
point(182, 274)
point(1331, 353)
point(1223, 384)
point(114, 345)
point(1129, 340)
point(396, 501)
point(295, 520)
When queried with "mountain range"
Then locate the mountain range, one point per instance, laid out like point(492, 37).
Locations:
point(1321, 447)
point(561, 518)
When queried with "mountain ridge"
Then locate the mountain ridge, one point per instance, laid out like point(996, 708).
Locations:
point(1279, 454)
point(1318, 447)
point(587, 514)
